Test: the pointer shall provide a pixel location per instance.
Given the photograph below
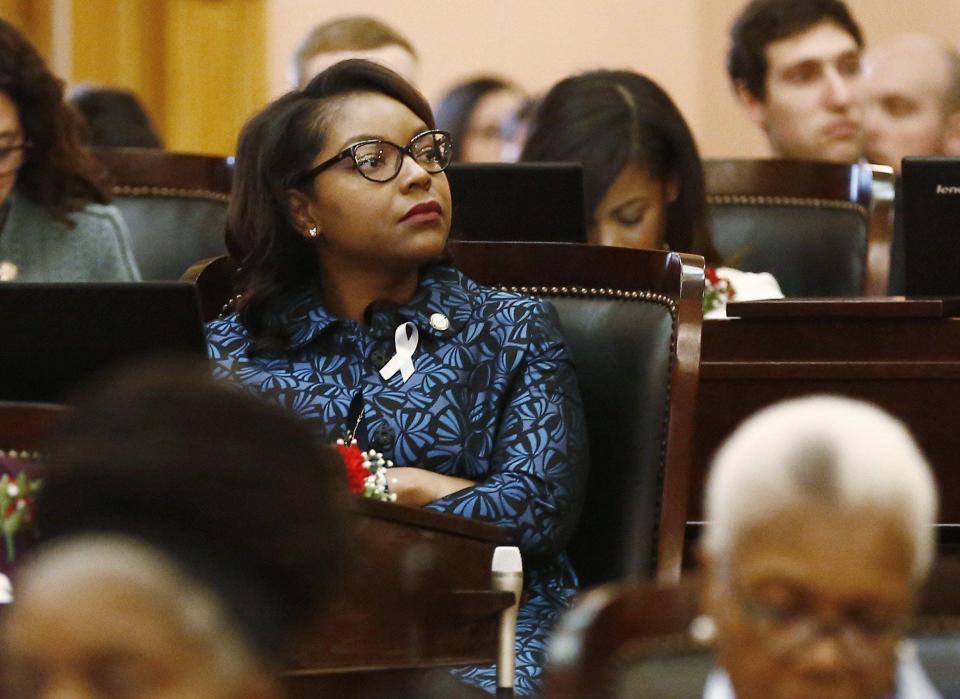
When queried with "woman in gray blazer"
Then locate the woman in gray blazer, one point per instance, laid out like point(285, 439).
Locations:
point(55, 220)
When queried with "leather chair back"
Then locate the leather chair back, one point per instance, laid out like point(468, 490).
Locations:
point(631, 641)
point(174, 204)
point(632, 321)
point(822, 229)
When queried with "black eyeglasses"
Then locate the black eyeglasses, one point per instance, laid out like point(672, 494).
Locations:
point(380, 161)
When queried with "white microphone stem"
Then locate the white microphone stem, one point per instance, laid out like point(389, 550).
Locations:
point(507, 576)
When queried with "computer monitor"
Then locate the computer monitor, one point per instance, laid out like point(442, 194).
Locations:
point(540, 202)
point(54, 335)
point(931, 226)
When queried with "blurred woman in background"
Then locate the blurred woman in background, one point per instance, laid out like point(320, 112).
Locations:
point(643, 181)
point(480, 115)
point(114, 118)
point(642, 176)
point(56, 221)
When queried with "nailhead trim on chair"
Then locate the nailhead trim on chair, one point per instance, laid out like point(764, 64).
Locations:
point(648, 296)
point(129, 191)
point(804, 202)
point(228, 306)
point(584, 292)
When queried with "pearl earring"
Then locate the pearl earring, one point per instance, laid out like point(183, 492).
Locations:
point(313, 232)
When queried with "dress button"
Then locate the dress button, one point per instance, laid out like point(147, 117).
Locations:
point(384, 437)
point(440, 322)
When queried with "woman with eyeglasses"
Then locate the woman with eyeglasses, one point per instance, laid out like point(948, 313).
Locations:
point(353, 317)
point(479, 113)
point(56, 221)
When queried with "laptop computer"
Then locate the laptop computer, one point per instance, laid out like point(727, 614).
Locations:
point(931, 226)
point(54, 335)
point(518, 202)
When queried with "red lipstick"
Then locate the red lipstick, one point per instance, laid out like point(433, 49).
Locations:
point(428, 212)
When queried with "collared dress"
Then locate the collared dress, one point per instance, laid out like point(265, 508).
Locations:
point(493, 399)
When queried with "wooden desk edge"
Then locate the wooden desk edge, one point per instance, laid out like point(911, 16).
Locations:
point(428, 519)
point(888, 307)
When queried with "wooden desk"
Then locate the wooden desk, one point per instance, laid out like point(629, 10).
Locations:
point(902, 355)
point(419, 597)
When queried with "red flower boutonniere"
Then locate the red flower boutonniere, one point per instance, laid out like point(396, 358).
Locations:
point(366, 472)
point(16, 508)
point(718, 290)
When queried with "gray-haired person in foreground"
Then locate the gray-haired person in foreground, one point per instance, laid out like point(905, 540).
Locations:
point(821, 514)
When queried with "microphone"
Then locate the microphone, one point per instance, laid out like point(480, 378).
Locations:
point(507, 576)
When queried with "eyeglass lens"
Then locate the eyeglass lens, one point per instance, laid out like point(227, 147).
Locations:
point(381, 161)
point(863, 638)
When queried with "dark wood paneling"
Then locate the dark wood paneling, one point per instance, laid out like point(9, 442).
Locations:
point(880, 352)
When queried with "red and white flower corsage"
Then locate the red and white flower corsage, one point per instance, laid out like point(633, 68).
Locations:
point(717, 292)
point(366, 471)
point(16, 508)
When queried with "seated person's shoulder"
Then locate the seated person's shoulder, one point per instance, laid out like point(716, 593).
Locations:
point(513, 306)
point(100, 219)
point(100, 229)
point(526, 320)
point(227, 328)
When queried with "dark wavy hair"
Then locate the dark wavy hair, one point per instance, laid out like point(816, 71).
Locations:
point(58, 172)
point(234, 490)
point(276, 146)
point(606, 120)
point(765, 21)
point(457, 105)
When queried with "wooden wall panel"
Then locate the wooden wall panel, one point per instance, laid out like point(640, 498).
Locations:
point(214, 56)
point(197, 65)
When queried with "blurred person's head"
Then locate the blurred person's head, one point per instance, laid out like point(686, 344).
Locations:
point(820, 519)
point(795, 67)
point(40, 148)
point(187, 532)
point(911, 99)
point(353, 37)
point(114, 118)
point(331, 176)
point(516, 128)
point(479, 115)
point(642, 176)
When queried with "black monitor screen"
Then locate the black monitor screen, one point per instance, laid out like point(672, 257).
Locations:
point(54, 335)
point(538, 202)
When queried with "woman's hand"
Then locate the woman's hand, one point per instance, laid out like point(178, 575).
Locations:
point(416, 486)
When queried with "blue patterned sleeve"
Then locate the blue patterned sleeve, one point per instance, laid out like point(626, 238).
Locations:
point(540, 455)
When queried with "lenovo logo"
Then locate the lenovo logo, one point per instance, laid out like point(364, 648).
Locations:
point(947, 189)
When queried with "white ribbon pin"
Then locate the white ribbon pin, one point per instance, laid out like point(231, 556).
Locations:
point(405, 339)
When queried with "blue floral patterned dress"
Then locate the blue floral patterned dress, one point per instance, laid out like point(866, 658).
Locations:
point(493, 399)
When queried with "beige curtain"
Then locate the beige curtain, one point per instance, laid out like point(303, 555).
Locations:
point(33, 18)
point(199, 66)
